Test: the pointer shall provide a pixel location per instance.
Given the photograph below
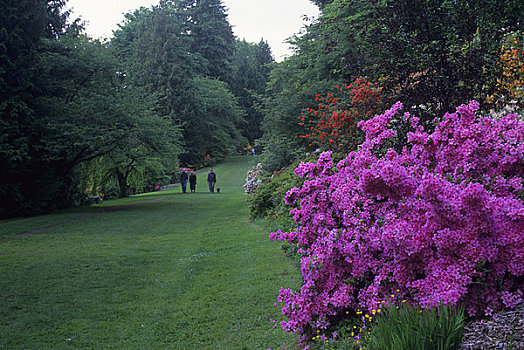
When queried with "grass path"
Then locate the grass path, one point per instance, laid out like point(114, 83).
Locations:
point(183, 271)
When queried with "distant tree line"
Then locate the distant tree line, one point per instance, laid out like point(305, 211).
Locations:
point(173, 86)
point(82, 117)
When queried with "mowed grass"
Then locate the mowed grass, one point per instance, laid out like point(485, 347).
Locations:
point(164, 270)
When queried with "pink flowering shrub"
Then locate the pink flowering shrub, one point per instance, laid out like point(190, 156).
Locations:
point(440, 222)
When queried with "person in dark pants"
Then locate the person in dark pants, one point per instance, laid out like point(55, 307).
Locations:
point(211, 180)
point(192, 182)
point(183, 180)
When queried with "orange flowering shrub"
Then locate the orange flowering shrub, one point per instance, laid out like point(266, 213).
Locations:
point(332, 124)
point(510, 86)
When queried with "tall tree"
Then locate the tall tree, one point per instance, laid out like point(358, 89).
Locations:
point(88, 110)
point(214, 127)
point(23, 27)
point(212, 37)
point(251, 66)
point(155, 53)
point(155, 48)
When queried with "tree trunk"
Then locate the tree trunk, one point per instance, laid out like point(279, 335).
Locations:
point(122, 183)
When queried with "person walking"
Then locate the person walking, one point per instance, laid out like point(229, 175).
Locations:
point(183, 180)
point(192, 182)
point(211, 180)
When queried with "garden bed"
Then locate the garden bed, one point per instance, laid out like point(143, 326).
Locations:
point(503, 331)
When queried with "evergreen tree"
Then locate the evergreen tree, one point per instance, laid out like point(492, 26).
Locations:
point(24, 26)
point(251, 66)
point(212, 37)
point(155, 54)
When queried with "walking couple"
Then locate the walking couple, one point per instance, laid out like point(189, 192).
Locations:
point(192, 181)
point(211, 181)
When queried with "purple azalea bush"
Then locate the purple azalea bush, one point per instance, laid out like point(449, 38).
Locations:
point(440, 222)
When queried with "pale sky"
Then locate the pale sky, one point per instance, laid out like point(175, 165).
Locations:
point(272, 20)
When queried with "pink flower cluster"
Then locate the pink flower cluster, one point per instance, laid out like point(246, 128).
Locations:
point(440, 222)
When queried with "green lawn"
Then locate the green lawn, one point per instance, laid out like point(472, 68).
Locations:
point(179, 271)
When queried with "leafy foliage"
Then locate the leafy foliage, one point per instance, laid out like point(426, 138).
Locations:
point(76, 105)
point(24, 177)
point(205, 21)
point(214, 129)
point(431, 55)
point(270, 193)
point(251, 66)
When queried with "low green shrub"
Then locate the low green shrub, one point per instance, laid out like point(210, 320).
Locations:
point(268, 199)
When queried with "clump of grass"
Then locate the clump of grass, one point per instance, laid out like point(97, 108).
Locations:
point(406, 327)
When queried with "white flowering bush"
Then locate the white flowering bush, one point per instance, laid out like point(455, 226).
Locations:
point(253, 179)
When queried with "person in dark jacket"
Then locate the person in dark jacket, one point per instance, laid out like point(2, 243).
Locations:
point(183, 180)
point(211, 180)
point(192, 182)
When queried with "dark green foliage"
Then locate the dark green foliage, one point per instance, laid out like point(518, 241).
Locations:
point(430, 55)
point(279, 152)
point(157, 50)
point(79, 115)
point(269, 197)
point(70, 104)
point(214, 127)
point(291, 88)
point(251, 66)
point(321, 3)
point(155, 55)
point(23, 27)
point(205, 21)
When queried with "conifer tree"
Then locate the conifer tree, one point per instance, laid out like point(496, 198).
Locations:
point(212, 37)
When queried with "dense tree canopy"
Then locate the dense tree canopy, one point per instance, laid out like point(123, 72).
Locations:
point(25, 30)
point(431, 55)
point(82, 117)
point(251, 67)
point(205, 21)
point(175, 86)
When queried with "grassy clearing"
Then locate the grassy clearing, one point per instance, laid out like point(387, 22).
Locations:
point(182, 271)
